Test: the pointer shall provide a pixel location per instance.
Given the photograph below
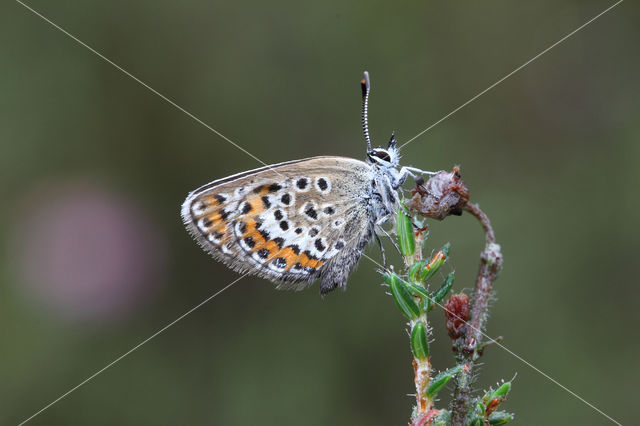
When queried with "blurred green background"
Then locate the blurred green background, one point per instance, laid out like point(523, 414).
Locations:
point(95, 167)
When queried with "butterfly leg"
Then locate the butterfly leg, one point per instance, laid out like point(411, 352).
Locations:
point(409, 171)
point(384, 258)
point(401, 175)
point(413, 171)
point(379, 226)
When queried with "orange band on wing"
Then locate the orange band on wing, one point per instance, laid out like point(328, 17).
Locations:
point(275, 251)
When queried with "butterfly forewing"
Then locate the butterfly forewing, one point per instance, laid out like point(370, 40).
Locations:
point(292, 222)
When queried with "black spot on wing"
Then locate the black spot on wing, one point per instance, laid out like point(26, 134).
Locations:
point(249, 242)
point(302, 183)
point(275, 187)
point(280, 262)
point(311, 212)
point(322, 184)
point(309, 255)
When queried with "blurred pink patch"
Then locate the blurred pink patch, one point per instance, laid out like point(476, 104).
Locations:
point(86, 253)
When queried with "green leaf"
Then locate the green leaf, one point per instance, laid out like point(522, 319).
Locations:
point(500, 418)
point(502, 391)
point(499, 393)
point(419, 343)
point(435, 263)
point(441, 380)
point(403, 298)
point(444, 288)
point(476, 421)
point(442, 419)
point(406, 239)
point(419, 291)
point(414, 269)
point(477, 414)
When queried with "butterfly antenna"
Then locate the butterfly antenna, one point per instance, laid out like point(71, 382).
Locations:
point(366, 88)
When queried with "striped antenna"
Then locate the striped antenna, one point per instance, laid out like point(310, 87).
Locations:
point(366, 88)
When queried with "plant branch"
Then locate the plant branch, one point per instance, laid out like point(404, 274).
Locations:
point(470, 346)
point(443, 195)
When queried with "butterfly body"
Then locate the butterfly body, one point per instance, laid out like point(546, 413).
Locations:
point(297, 221)
point(302, 220)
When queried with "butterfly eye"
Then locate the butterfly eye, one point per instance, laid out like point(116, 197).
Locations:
point(382, 154)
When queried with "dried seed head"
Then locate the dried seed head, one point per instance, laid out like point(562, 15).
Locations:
point(442, 195)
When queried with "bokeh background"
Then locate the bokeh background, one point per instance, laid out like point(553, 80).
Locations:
point(94, 168)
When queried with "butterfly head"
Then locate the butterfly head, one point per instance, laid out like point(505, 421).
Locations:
point(389, 157)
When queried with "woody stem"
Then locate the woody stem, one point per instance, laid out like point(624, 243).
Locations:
point(470, 350)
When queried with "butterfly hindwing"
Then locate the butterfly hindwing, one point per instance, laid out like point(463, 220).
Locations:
point(291, 223)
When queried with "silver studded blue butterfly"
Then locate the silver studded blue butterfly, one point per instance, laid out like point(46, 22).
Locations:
point(302, 220)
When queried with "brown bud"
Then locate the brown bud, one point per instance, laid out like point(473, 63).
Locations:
point(457, 312)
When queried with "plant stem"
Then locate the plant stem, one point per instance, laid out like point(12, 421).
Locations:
point(422, 376)
point(470, 348)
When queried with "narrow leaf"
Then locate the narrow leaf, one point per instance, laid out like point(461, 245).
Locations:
point(406, 239)
point(418, 291)
point(414, 270)
point(444, 288)
point(502, 391)
point(435, 263)
point(442, 419)
point(403, 298)
point(419, 343)
point(476, 421)
point(441, 380)
point(500, 418)
point(499, 393)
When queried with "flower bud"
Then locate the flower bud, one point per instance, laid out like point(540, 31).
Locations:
point(457, 312)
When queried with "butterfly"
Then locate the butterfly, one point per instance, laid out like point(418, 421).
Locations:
point(303, 220)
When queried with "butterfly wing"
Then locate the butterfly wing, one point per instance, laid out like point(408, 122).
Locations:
point(291, 223)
